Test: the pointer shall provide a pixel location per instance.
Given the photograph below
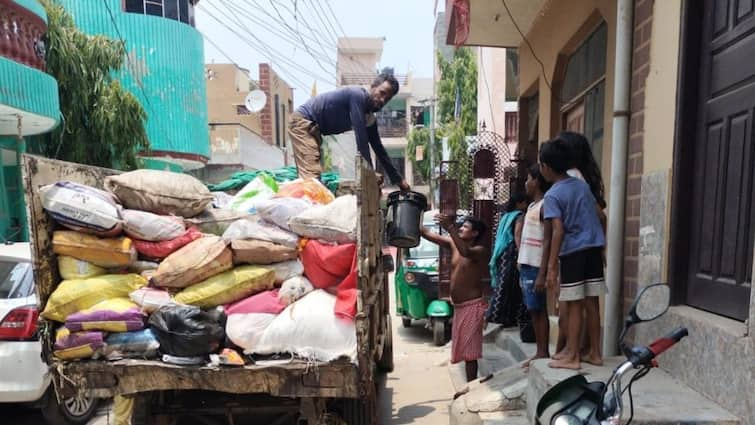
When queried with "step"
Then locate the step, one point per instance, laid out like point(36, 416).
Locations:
point(508, 340)
point(515, 417)
point(659, 399)
point(492, 399)
point(493, 359)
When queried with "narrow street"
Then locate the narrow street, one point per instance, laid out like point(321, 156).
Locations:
point(419, 390)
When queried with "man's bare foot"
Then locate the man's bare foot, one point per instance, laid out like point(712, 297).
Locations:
point(565, 364)
point(561, 355)
point(526, 363)
point(594, 360)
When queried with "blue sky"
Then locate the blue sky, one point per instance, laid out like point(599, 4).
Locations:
point(407, 26)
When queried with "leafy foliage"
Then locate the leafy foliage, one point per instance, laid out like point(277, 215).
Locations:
point(461, 72)
point(103, 123)
point(419, 137)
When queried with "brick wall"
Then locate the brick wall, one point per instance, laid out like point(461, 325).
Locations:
point(266, 115)
point(643, 25)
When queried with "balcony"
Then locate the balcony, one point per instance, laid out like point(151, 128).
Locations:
point(21, 32)
point(366, 79)
point(28, 95)
point(391, 127)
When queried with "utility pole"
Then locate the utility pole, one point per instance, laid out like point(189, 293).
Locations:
point(431, 149)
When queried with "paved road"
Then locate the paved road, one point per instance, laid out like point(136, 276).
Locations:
point(419, 390)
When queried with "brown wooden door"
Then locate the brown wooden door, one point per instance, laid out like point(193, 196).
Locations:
point(721, 234)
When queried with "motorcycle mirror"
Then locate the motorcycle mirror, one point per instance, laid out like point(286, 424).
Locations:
point(650, 303)
point(567, 419)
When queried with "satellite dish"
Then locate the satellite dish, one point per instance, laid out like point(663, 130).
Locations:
point(255, 100)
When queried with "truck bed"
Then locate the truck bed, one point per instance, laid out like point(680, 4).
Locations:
point(338, 379)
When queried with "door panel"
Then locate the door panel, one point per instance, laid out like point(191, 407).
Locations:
point(720, 266)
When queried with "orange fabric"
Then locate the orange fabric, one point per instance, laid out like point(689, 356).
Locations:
point(327, 265)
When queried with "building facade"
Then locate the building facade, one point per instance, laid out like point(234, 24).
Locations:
point(28, 103)
point(164, 70)
point(241, 139)
point(685, 179)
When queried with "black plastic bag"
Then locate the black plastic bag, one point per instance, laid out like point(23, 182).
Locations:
point(187, 331)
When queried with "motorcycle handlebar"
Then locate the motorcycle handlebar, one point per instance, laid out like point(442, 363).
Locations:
point(664, 343)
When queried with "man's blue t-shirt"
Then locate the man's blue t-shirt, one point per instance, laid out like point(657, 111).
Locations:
point(345, 109)
point(571, 201)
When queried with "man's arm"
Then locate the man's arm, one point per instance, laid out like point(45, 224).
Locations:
point(518, 226)
point(357, 114)
point(434, 237)
point(476, 252)
point(382, 156)
point(543, 271)
point(557, 239)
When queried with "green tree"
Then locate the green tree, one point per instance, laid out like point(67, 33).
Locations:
point(103, 123)
point(460, 73)
point(420, 138)
point(458, 76)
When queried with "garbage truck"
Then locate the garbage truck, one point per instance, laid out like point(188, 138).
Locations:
point(296, 391)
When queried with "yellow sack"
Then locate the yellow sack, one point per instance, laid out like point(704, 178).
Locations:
point(108, 253)
point(72, 268)
point(194, 263)
point(75, 295)
point(228, 287)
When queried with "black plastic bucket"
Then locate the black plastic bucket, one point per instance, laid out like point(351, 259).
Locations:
point(404, 218)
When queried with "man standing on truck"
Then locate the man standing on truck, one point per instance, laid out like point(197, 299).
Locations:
point(469, 263)
point(339, 111)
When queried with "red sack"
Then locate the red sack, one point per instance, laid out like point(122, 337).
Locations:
point(346, 293)
point(160, 250)
point(327, 265)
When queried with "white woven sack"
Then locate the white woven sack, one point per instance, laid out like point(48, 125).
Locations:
point(80, 205)
point(279, 210)
point(334, 222)
point(261, 231)
point(151, 227)
point(309, 328)
point(287, 270)
point(245, 330)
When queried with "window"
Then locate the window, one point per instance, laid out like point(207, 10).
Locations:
point(583, 90)
point(398, 161)
point(177, 10)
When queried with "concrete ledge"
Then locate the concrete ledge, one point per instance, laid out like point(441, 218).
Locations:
point(717, 359)
point(659, 399)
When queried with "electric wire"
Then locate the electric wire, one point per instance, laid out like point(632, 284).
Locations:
point(273, 54)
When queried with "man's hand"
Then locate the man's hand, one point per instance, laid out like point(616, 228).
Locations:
point(540, 283)
point(404, 186)
point(552, 280)
point(446, 222)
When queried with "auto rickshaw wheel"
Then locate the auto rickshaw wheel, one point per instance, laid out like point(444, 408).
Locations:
point(406, 321)
point(439, 332)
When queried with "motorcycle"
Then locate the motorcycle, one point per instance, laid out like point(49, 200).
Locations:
point(574, 401)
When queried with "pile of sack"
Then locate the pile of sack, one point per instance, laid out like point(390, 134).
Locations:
point(149, 268)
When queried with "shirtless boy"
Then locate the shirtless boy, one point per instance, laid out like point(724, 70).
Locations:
point(469, 264)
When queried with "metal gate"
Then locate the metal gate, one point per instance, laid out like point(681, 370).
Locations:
point(494, 177)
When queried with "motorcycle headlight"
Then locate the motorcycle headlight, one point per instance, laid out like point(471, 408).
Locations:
point(410, 278)
point(566, 419)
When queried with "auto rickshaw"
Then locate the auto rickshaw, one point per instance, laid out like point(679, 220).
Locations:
point(416, 285)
